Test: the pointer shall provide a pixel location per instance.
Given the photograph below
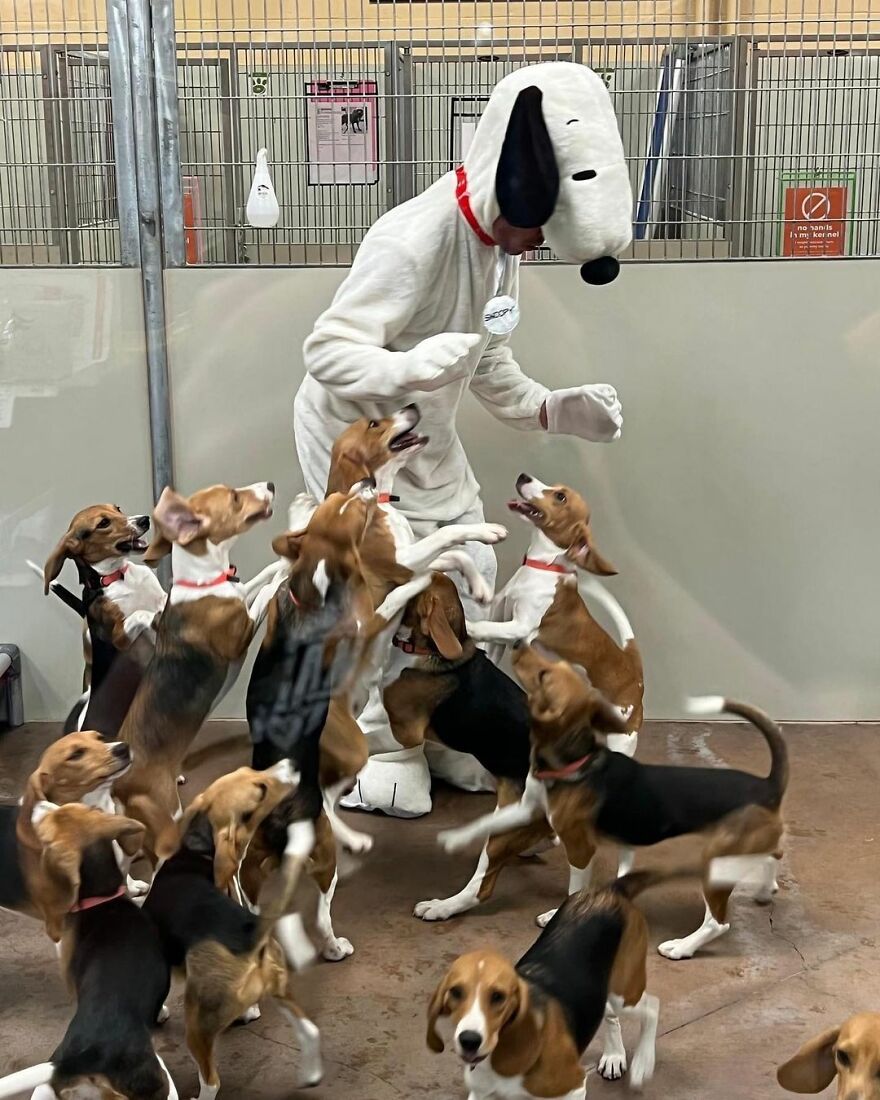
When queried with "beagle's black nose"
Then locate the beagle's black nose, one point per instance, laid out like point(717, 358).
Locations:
point(470, 1042)
point(270, 485)
point(142, 522)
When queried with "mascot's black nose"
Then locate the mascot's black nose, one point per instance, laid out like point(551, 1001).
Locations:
point(601, 271)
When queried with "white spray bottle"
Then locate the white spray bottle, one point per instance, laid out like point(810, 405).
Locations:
point(262, 205)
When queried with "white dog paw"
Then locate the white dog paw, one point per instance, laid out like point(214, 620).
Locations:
point(612, 1066)
point(164, 1014)
point(337, 949)
point(675, 949)
point(136, 887)
point(453, 840)
point(356, 842)
point(250, 1014)
point(481, 591)
point(642, 1069)
point(543, 919)
point(435, 909)
point(492, 533)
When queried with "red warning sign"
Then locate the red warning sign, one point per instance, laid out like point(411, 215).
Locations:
point(815, 221)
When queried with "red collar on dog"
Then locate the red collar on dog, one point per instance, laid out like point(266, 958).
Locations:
point(533, 563)
point(566, 772)
point(464, 205)
point(387, 498)
point(410, 647)
point(109, 578)
point(93, 903)
point(293, 598)
point(221, 578)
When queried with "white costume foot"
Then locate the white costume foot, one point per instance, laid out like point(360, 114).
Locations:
point(394, 783)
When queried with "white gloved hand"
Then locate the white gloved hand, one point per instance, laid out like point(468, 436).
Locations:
point(591, 412)
point(439, 359)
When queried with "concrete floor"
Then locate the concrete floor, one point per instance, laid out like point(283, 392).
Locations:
point(727, 1019)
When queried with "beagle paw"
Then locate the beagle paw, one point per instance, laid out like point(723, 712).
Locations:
point(435, 909)
point(676, 949)
point(163, 1014)
point(249, 1015)
point(543, 919)
point(642, 1069)
point(454, 840)
point(612, 1066)
point(337, 949)
point(136, 887)
point(490, 533)
point(480, 591)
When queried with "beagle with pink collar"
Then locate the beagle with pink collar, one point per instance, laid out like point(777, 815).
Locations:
point(120, 601)
point(203, 636)
point(541, 601)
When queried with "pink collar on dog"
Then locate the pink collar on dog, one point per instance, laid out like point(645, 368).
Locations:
point(93, 903)
point(564, 773)
point(221, 578)
point(533, 563)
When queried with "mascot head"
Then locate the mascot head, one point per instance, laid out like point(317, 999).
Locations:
point(547, 156)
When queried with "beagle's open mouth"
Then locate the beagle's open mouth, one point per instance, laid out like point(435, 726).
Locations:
point(135, 545)
point(406, 441)
point(473, 1060)
point(523, 508)
point(264, 512)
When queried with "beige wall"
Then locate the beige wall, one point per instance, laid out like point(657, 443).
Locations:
point(739, 507)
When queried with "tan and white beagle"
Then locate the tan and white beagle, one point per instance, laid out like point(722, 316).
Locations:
point(851, 1053)
point(541, 601)
point(78, 767)
point(587, 792)
point(521, 1030)
point(203, 636)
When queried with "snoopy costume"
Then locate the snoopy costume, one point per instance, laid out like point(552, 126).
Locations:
point(409, 319)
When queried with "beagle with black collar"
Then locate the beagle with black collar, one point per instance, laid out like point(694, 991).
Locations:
point(521, 1030)
point(298, 701)
point(541, 601)
point(587, 792)
point(76, 768)
point(851, 1053)
point(203, 636)
point(113, 959)
point(120, 601)
point(227, 951)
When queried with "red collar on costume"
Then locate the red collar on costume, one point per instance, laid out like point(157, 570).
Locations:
point(565, 772)
point(464, 205)
point(108, 578)
point(93, 903)
point(410, 647)
point(387, 498)
point(221, 578)
point(533, 563)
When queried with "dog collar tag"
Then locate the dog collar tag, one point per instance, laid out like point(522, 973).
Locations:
point(501, 315)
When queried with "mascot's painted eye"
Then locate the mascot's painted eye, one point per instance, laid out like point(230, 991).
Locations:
point(571, 120)
point(587, 174)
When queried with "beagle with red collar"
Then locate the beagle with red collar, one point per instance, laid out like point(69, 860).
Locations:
point(587, 792)
point(521, 1030)
point(541, 601)
point(77, 768)
point(120, 601)
point(851, 1053)
point(113, 960)
point(202, 638)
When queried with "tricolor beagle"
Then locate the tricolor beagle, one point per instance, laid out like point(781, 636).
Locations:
point(230, 959)
point(850, 1052)
point(587, 792)
point(78, 767)
point(120, 601)
point(542, 601)
point(202, 638)
point(113, 959)
point(521, 1030)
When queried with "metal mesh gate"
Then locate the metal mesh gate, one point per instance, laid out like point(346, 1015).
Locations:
point(734, 122)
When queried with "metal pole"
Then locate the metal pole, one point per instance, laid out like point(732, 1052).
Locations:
point(168, 129)
point(123, 134)
point(150, 239)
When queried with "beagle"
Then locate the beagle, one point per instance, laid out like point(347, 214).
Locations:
point(325, 601)
point(542, 601)
point(455, 694)
point(76, 768)
point(202, 639)
point(521, 1030)
point(113, 959)
point(120, 601)
point(227, 951)
point(850, 1052)
point(587, 792)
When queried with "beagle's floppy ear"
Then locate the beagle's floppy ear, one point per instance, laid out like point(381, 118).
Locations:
point(175, 518)
point(288, 545)
point(583, 553)
point(435, 1010)
point(441, 632)
point(65, 549)
point(607, 717)
point(228, 854)
point(195, 807)
point(812, 1069)
point(527, 176)
point(158, 549)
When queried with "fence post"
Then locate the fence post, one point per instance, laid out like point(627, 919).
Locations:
point(123, 133)
point(168, 129)
point(150, 229)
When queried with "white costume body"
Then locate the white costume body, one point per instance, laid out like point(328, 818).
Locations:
point(422, 273)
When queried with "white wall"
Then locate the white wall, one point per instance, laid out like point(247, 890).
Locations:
point(740, 507)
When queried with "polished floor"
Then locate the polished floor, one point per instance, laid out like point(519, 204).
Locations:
point(728, 1017)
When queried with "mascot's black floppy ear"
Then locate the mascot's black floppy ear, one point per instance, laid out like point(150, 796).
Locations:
point(527, 178)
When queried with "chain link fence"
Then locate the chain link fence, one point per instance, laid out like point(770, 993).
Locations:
point(748, 135)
